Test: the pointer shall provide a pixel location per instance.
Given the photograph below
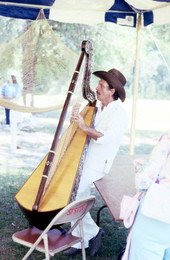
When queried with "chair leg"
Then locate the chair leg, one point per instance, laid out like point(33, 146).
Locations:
point(28, 254)
point(82, 241)
point(32, 249)
point(45, 239)
point(83, 251)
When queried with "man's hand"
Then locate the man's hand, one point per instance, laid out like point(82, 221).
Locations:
point(79, 120)
point(86, 129)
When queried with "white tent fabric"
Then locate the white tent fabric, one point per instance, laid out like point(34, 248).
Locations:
point(84, 11)
point(160, 9)
point(147, 4)
point(120, 12)
point(90, 12)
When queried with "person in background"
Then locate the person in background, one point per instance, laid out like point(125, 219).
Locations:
point(1, 84)
point(110, 124)
point(10, 91)
point(150, 238)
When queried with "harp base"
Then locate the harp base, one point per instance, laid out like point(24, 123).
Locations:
point(37, 219)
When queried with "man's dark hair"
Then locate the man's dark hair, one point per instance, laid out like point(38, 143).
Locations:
point(115, 95)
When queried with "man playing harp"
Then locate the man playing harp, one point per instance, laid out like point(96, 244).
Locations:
point(110, 124)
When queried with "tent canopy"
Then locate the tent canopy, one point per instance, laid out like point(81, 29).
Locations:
point(133, 13)
point(90, 12)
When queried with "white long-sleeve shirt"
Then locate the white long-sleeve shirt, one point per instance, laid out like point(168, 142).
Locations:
point(112, 122)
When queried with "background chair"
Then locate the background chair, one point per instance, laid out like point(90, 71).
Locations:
point(53, 241)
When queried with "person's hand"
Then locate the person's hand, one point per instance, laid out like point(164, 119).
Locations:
point(138, 164)
point(75, 111)
point(77, 118)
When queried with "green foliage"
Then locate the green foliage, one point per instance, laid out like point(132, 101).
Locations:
point(113, 46)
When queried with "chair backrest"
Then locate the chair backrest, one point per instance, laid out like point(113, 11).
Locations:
point(73, 211)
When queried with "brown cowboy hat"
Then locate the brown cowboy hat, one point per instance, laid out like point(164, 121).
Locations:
point(115, 79)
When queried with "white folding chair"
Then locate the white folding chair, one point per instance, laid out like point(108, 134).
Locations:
point(53, 241)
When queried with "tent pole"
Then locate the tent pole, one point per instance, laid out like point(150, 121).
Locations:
point(26, 5)
point(135, 84)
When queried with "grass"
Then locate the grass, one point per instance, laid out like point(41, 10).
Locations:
point(12, 220)
point(33, 141)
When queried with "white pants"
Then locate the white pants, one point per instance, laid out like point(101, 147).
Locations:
point(89, 226)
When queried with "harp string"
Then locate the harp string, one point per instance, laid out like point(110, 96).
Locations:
point(61, 147)
point(67, 136)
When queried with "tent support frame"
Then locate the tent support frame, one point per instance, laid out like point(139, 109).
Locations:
point(135, 84)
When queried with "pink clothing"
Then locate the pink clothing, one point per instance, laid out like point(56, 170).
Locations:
point(149, 238)
point(157, 167)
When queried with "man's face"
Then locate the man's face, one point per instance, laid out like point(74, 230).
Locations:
point(104, 93)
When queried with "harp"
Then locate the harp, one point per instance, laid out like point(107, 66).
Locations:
point(52, 184)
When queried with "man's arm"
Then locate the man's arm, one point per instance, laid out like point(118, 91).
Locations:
point(86, 129)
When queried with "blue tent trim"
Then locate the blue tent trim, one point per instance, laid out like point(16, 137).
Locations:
point(121, 6)
point(21, 13)
point(123, 10)
point(28, 13)
point(148, 18)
